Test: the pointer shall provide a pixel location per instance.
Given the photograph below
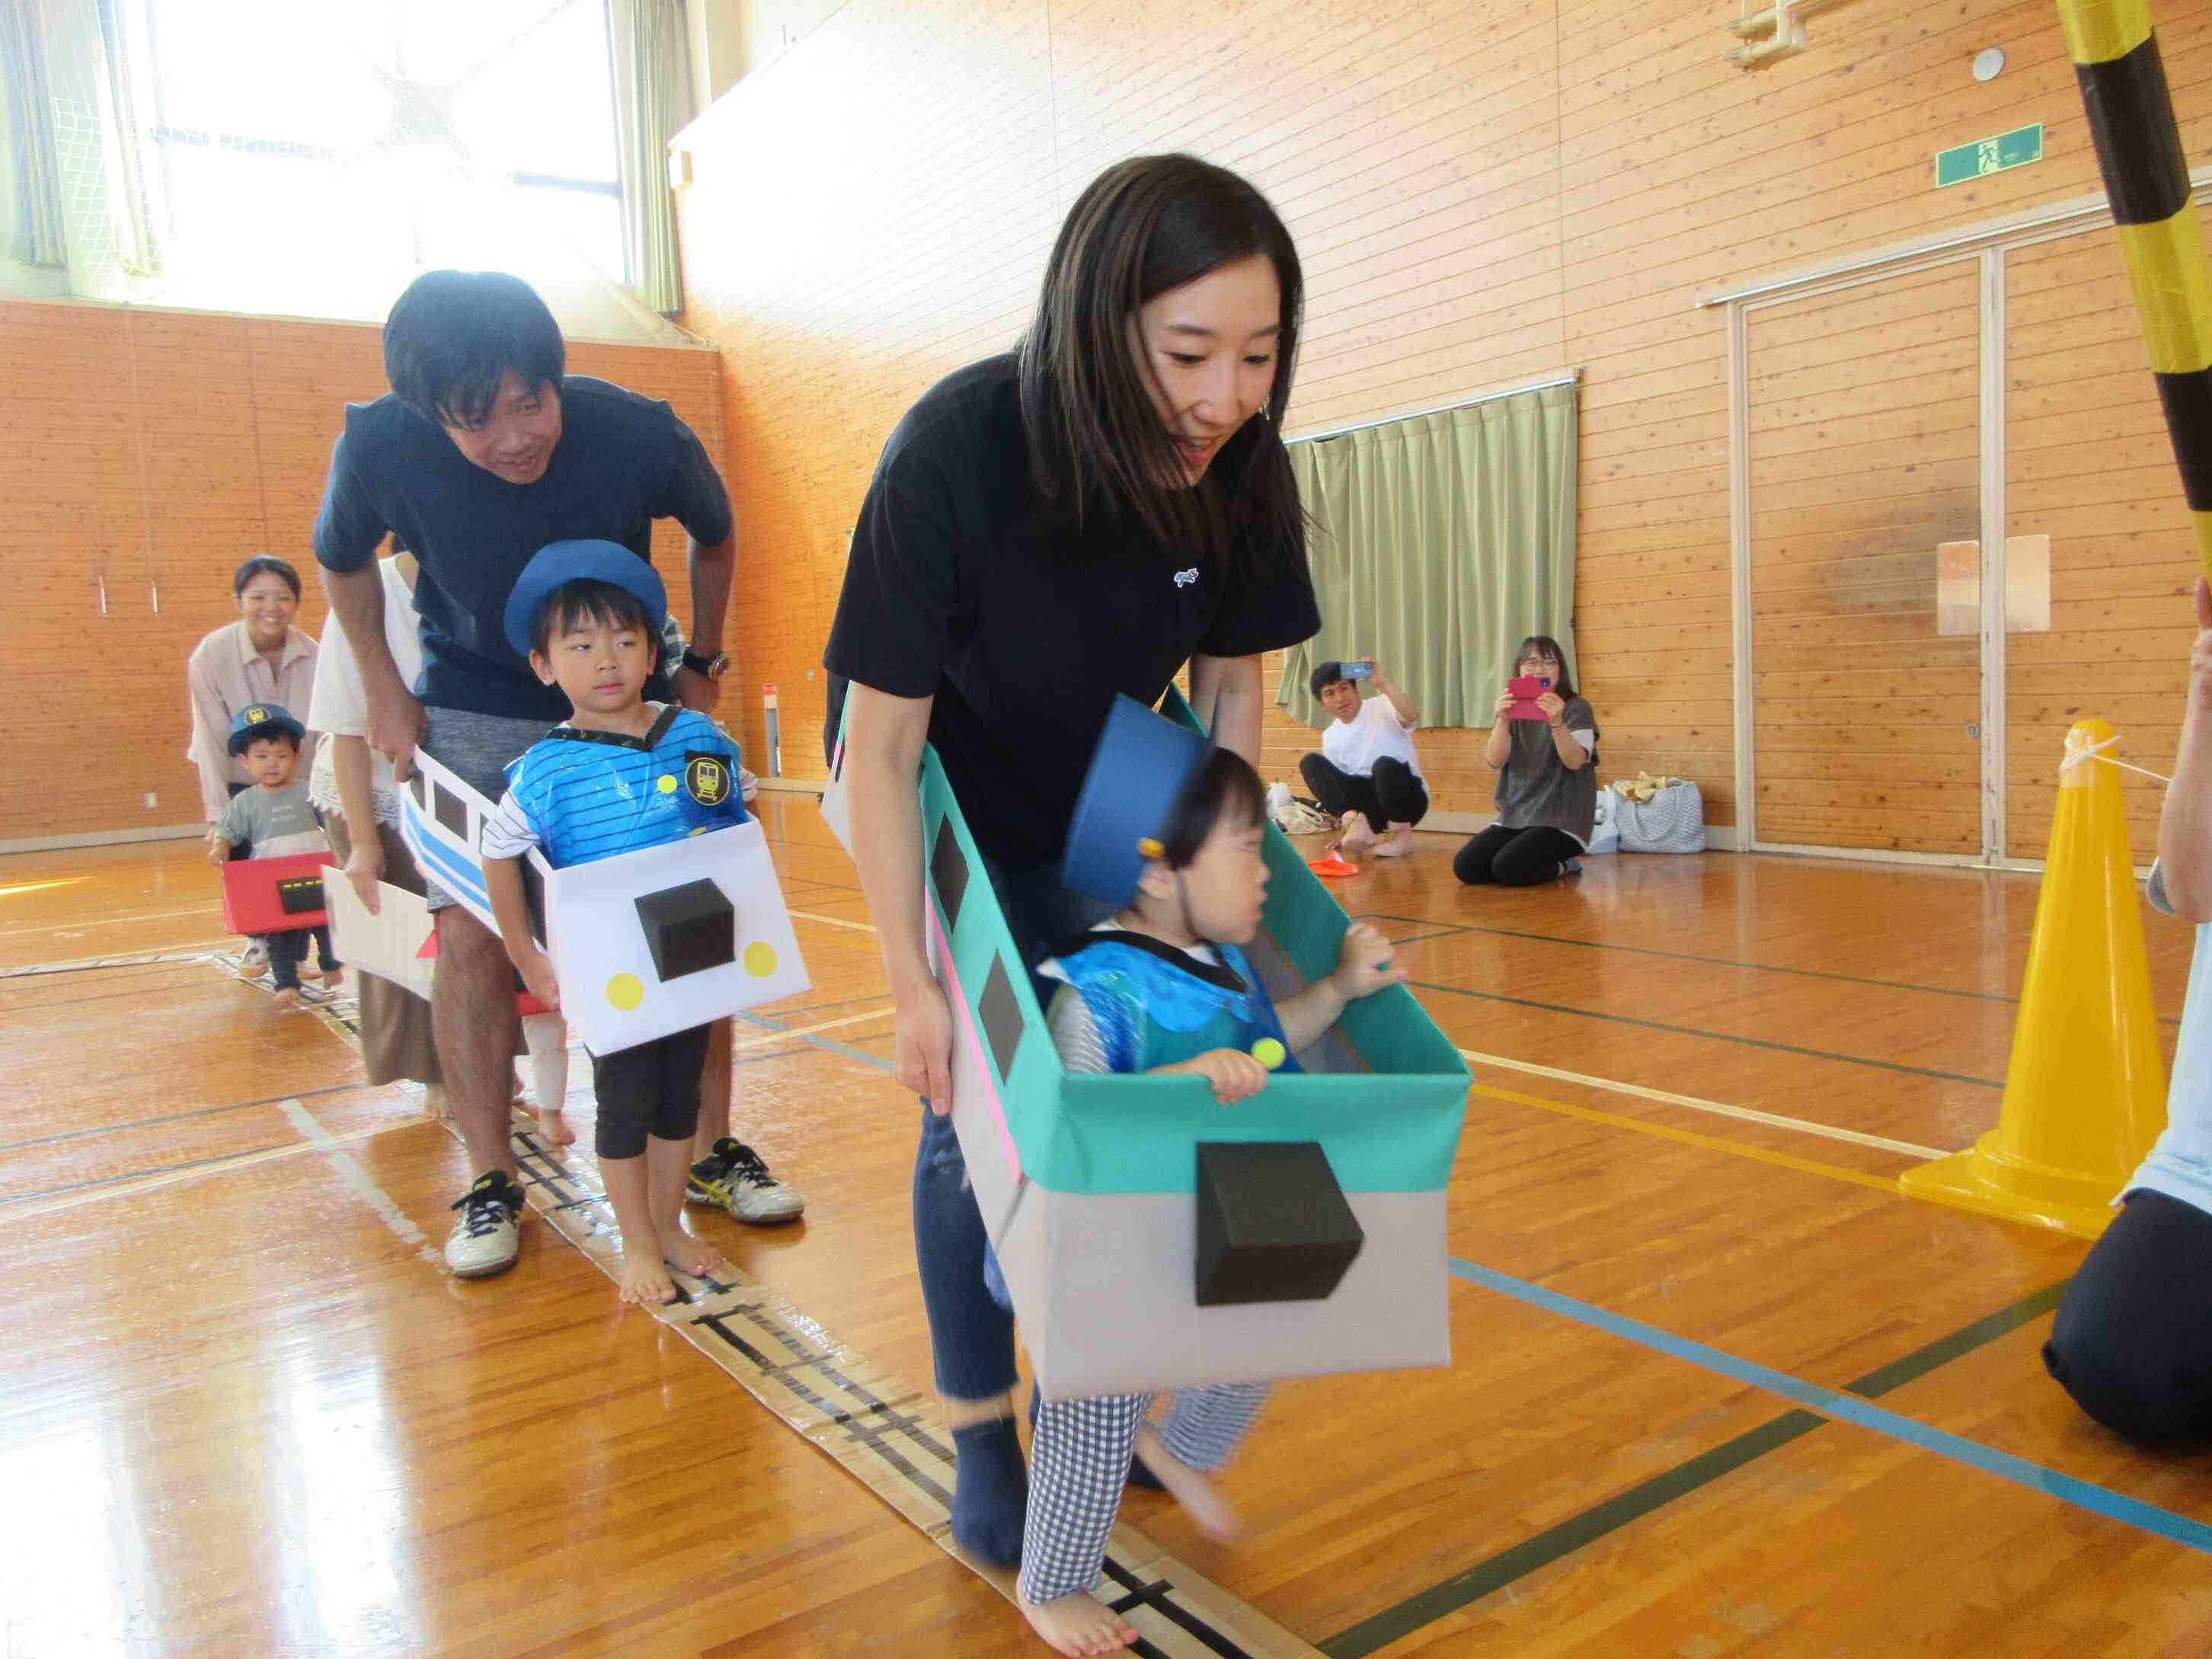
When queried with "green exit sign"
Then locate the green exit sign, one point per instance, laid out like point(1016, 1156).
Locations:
point(2015, 148)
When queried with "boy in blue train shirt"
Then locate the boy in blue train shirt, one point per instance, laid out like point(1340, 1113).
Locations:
point(619, 775)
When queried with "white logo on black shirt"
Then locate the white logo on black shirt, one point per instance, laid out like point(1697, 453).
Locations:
point(1185, 578)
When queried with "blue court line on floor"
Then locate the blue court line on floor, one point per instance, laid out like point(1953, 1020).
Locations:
point(829, 1043)
point(2082, 1494)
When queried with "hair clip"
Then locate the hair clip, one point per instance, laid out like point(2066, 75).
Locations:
point(1150, 846)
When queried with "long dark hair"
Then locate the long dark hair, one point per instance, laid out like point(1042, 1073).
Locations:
point(1545, 645)
point(1097, 442)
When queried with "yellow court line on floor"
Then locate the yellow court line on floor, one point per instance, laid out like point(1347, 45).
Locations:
point(831, 921)
point(1692, 1137)
point(809, 1031)
point(129, 1190)
point(1772, 1120)
point(40, 886)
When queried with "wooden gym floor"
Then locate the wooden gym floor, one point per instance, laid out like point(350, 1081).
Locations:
point(1719, 1389)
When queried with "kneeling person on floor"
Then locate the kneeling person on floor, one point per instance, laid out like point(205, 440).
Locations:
point(619, 775)
point(1367, 773)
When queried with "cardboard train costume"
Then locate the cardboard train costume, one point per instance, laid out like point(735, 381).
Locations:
point(644, 942)
point(1146, 1232)
point(280, 895)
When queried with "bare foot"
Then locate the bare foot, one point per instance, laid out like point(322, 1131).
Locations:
point(1079, 1624)
point(1357, 838)
point(308, 970)
point(332, 978)
point(1192, 1488)
point(645, 1281)
point(553, 1127)
point(690, 1256)
point(436, 1106)
point(288, 998)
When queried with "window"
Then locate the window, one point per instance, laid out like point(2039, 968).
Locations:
point(311, 159)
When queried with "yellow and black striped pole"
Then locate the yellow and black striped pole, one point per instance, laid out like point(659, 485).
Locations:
point(2147, 179)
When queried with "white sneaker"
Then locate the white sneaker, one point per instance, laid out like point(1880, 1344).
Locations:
point(489, 1237)
point(734, 1177)
point(256, 957)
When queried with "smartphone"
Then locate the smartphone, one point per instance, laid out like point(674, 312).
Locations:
point(1526, 689)
point(1359, 670)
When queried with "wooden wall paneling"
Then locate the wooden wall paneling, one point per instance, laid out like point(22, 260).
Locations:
point(1887, 502)
point(164, 447)
point(1479, 193)
point(2092, 453)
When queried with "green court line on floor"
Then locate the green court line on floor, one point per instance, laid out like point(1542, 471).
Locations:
point(1717, 1036)
point(1685, 955)
point(177, 1117)
point(1556, 1542)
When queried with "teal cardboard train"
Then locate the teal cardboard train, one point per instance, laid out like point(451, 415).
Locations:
point(1091, 1186)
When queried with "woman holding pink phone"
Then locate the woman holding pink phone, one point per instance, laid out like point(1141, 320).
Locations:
point(1544, 750)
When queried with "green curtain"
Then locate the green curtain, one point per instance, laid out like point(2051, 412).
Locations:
point(1440, 543)
point(653, 102)
point(37, 236)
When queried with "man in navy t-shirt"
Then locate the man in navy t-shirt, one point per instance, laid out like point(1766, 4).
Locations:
point(485, 450)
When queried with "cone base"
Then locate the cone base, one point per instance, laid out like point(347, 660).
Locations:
point(1975, 1179)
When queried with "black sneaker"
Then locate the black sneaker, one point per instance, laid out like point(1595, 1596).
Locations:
point(733, 1177)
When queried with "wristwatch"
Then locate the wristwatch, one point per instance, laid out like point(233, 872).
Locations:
point(713, 667)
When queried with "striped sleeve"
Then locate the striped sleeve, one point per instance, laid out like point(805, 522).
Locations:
point(509, 832)
point(1075, 1033)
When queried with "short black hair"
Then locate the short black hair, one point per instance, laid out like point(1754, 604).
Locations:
point(264, 564)
point(1224, 783)
point(585, 600)
point(1325, 675)
point(455, 335)
point(273, 732)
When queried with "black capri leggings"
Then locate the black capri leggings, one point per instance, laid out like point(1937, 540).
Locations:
point(1391, 794)
point(1515, 857)
point(650, 1090)
point(2133, 1339)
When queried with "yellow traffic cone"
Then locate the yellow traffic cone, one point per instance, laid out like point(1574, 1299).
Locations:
point(2085, 1094)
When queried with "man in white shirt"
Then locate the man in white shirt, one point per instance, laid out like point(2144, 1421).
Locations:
point(1367, 773)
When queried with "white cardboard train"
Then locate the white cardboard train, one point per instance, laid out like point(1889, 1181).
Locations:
point(643, 944)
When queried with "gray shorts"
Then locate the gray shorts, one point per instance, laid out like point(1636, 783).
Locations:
point(478, 748)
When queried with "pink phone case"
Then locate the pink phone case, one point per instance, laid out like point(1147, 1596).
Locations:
point(1527, 688)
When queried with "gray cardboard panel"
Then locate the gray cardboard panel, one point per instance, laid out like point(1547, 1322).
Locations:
point(1104, 1289)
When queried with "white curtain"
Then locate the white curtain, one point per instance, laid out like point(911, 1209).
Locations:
point(652, 103)
point(35, 232)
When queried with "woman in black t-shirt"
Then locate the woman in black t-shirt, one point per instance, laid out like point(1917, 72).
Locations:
point(1044, 531)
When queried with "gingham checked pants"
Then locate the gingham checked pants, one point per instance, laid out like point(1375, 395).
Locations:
point(1079, 1460)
